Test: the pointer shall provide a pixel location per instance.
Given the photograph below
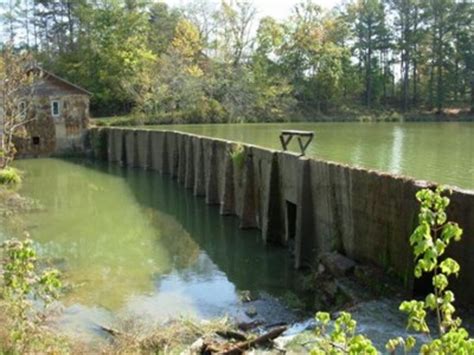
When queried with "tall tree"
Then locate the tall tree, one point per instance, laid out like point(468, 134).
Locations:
point(370, 30)
point(236, 20)
point(16, 100)
point(440, 31)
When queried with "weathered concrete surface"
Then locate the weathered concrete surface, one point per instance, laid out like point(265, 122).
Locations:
point(130, 159)
point(228, 196)
point(98, 141)
point(249, 213)
point(189, 163)
point(115, 148)
point(211, 172)
point(313, 206)
point(142, 146)
point(157, 153)
point(200, 175)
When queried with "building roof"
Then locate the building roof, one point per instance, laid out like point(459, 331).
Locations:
point(59, 85)
point(50, 74)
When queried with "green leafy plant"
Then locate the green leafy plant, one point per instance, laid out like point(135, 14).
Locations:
point(10, 177)
point(342, 339)
point(237, 154)
point(27, 294)
point(430, 240)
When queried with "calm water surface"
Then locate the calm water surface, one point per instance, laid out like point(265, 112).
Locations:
point(136, 243)
point(439, 152)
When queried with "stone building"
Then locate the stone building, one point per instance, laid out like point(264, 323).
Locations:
point(60, 116)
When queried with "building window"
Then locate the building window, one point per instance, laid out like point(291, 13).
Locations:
point(36, 140)
point(55, 108)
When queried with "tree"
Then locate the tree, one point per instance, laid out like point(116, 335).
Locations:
point(111, 49)
point(463, 15)
point(440, 32)
point(370, 30)
point(16, 100)
point(162, 23)
point(235, 20)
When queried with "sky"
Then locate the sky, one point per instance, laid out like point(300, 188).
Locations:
point(278, 9)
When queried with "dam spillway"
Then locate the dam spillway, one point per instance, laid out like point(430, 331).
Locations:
point(313, 205)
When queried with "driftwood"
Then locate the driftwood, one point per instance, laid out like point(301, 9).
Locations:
point(110, 331)
point(229, 334)
point(239, 348)
point(249, 325)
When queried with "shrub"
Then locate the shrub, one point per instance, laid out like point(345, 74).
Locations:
point(10, 176)
point(429, 240)
point(21, 282)
point(237, 154)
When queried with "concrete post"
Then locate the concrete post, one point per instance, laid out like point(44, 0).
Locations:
point(212, 193)
point(172, 144)
point(182, 139)
point(304, 221)
point(110, 145)
point(273, 226)
point(249, 206)
point(189, 173)
point(199, 173)
point(142, 137)
point(130, 148)
point(228, 198)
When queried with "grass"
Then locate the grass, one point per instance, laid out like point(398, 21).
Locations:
point(175, 336)
point(10, 177)
point(343, 115)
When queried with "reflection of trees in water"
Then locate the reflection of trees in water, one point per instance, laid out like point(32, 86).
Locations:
point(241, 255)
point(182, 249)
point(121, 229)
point(93, 222)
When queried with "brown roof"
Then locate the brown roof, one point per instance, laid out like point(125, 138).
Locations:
point(50, 74)
point(44, 87)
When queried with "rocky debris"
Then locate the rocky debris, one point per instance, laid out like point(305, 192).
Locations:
point(332, 284)
point(248, 296)
point(338, 265)
point(233, 342)
point(246, 326)
point(251, 312)
point(229, 334)
point(378, 281)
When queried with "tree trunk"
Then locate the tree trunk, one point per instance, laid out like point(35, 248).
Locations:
point(368, 74)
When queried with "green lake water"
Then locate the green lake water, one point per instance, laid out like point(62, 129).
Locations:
point(134, 243)
point(438, 152)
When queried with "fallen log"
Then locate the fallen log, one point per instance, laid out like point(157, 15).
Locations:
point(110, 331)
point(229, 334)
point(239, 348)
point(249, 325)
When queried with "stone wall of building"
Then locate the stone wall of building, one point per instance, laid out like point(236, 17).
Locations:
point(47, 135)
point(310, 205)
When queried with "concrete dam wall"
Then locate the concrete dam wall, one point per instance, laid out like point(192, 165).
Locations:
point(310, 205)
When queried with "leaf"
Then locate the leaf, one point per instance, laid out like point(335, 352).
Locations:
point(450, 266)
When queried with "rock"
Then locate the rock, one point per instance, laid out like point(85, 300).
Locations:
point(337, 264)
point(197, 347)
point(251, 312)
point(246, 326)
point(247, 296)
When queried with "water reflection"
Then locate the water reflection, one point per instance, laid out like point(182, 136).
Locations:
point(135, 242)
point(397, 151)
point(440, 152)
